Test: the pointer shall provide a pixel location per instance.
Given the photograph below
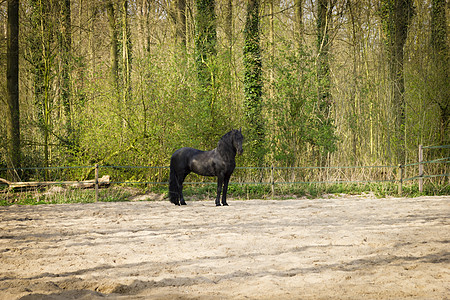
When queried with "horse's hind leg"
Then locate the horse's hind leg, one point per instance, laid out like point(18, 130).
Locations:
point(180, 188)
point(173, 186)
point(182, 202)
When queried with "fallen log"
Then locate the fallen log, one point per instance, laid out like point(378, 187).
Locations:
point(5, 181)
point(104, 181)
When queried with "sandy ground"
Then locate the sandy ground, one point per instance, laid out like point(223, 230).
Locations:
point(341, 248)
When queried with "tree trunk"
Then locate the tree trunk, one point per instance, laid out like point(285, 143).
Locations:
point(66, 47)
point(440, 56)
point(396, 17)
point(253, 82)
point(12, 77)
point(228, 28)
point(205, 40)
point(42, 60)
point(353, 119)
point(145, 26)
point(181, 23)
point(112, 45)
point(298, 4)
point(206, 55)
point(271, 49)
point(126, 54)
point(92, 14)
point(324, 13)
point(323, 25)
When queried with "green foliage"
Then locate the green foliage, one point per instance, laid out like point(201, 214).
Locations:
point(292, 111)
point(66, 196)
point(296, 112)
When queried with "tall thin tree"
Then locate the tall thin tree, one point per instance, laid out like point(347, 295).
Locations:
point(253, 82)
point(228, 29)
point(396, 16)
point(441, 68)
point(324, 13)
point(205, 59)
point(12, 78)
point(298, 13)
point(126, 53)
point(113, 57)
point(181, 23)
point(205, 40)
point(66, 47)
point(323, 24)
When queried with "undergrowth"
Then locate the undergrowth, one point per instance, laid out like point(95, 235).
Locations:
point(62, 196)
point(59, 195)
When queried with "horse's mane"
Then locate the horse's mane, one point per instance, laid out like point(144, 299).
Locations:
point(225, 144)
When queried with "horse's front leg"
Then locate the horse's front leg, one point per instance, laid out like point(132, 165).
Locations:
point(219, 189)
point(225, 189)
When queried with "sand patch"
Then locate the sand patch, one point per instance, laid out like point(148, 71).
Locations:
point(340, 248)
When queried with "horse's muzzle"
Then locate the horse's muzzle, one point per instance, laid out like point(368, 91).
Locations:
point(240, 151)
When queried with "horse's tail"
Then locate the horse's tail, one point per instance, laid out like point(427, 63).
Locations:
point(174, 193)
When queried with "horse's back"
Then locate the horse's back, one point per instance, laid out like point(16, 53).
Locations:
point(182, 157)
point(185, 152)
point(204, 163)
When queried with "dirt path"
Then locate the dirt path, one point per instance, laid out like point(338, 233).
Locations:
point(344, 248)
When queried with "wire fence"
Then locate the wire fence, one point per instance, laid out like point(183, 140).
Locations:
point(159, 175)
point(273, 175)
point(268, 175)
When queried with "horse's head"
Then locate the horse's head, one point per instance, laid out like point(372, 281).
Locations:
point(238, 139)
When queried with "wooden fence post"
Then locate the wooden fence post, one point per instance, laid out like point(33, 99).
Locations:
point(420, 168)
point(272, 182)
point(400, 179)
point(96, 182)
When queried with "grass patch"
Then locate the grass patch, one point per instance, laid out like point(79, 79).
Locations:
point(311, 191)
point(62, 196)
point(59, 195)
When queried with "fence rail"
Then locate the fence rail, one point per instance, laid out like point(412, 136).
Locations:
point(275, 175)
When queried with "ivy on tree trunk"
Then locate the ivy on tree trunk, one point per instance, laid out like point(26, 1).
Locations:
point(396, 16)
point(205, 40)
point(253, 82)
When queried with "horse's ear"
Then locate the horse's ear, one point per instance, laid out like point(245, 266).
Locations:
point(240, 130)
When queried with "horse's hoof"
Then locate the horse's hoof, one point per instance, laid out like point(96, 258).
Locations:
point(225, 204)
point(217, 204)
point(183, 203)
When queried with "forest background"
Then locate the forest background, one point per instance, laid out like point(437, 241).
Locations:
point(311, 82)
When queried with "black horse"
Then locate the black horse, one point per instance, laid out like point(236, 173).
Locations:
point(218, 162)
